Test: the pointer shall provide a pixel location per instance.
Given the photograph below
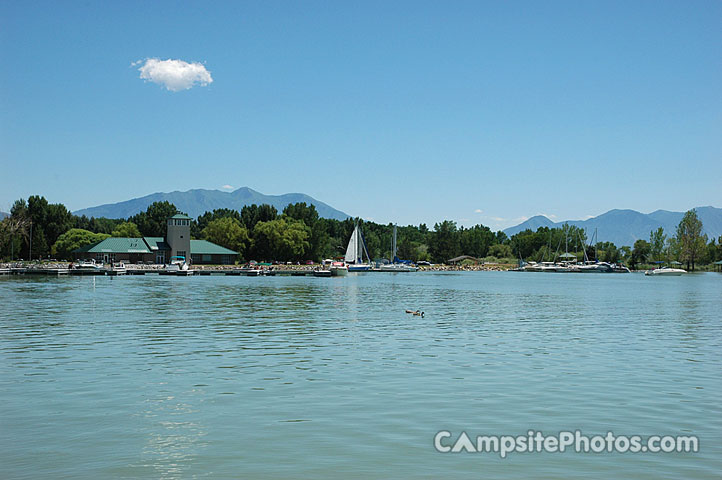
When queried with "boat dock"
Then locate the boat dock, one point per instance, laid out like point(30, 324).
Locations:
point(237, 272)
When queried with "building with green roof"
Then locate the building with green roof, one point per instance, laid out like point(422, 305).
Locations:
point(159, 250)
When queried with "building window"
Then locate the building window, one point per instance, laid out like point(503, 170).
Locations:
point(181, 253)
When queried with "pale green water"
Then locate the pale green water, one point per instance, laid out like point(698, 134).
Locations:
point(287, 377)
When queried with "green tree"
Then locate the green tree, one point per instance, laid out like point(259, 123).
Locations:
point(445, 242)
point(13, 231)
point(227, 232)
point(300, 211)
point(281, 239)
point(501, 251)
point(203, 220)
point(126, 229)
point(252, 214)
point(152, 222)
point(611, 253)
point(657, 242)
point(690, 240)
point(475, 241)
point(640, 252)
point(75, 238)
point(319, 239)
point(58, 220)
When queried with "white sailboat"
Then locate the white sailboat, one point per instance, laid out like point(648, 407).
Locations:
point(355, 253)
point(396, 266)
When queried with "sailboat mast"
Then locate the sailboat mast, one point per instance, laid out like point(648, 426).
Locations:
point(393, 246)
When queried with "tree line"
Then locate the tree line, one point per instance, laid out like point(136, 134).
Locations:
point(38, 229)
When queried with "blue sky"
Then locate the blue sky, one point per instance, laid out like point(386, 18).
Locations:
point(411, 112)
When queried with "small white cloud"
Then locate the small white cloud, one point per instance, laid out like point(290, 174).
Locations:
point(174, 75)
point(478, 210)
point(227, 187)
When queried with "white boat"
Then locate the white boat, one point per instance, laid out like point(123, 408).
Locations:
point(666, 271)
point(117, 269)
point(594, 267)
point(355, 252)
point(177, 264)
point(88, 266)
point(396, 265)
point(338, 269)
point(620, 269)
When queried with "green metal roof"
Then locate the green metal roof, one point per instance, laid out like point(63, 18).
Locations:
point(116, 245)
point(156, 243)
point(204, 247)
point(182, 216)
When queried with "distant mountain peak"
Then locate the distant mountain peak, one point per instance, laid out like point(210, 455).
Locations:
point(197, 201)
point(625, 226)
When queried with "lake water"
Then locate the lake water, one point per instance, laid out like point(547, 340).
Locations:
point(294, 377)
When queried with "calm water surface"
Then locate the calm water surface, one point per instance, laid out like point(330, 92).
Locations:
point(288, 377)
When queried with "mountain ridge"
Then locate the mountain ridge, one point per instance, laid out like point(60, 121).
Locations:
point(195, 202)
point(625, 226)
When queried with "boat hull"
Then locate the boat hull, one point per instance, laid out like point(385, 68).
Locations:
point(359, 268)
point(665, 272)
point(339, 271)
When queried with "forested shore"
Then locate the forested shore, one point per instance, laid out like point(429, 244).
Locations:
point(37, 229)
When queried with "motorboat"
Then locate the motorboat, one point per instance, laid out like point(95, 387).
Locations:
point(620, 269)
point(338, 269)
point(117, 269)
point(88, 266)
point(177, 264)
point(322, 273)
point(666, 271)
point(594, 267)
point(396, 267)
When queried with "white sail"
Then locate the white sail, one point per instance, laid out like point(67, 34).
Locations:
point(352, 249)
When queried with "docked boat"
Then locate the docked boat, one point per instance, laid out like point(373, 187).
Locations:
point(117, 269)
point(338, 269)
point(322, 273)
point(355, 252)
point(397, 265)
point(88, 266)
point(177, 264)
point(666, 271)
point(594, 267)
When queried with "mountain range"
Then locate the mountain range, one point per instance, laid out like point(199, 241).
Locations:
point(197, 202)
point(624, 227)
